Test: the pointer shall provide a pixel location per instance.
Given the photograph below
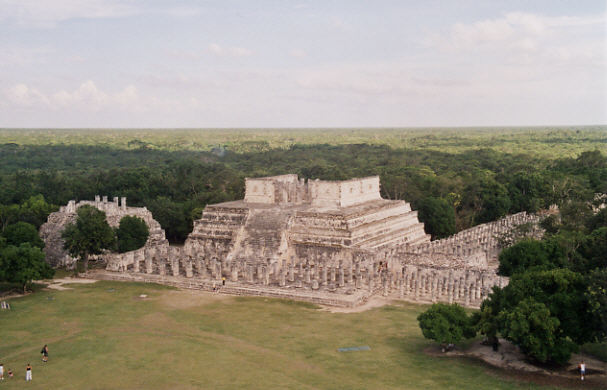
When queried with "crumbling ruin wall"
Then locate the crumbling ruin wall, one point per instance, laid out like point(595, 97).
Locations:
point(335, 238)
point(51, 231)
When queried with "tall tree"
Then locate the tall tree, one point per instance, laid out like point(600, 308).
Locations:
point(89, 235)
point(22, 264)
point(446, 324)
point(22, 232)
point(132, 233)
point(438, 217)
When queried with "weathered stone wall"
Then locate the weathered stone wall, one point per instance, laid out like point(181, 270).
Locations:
point(50, 232)
point(299, 237)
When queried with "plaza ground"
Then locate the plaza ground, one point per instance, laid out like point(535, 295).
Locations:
point(107, 336)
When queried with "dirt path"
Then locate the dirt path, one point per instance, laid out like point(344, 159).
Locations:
point(370, 304)
point(510, 363)
point(57, 284)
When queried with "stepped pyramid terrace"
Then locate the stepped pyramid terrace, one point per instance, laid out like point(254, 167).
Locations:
point(329, 242)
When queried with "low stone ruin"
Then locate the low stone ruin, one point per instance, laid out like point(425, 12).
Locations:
point(51, 231)
point(330, 242)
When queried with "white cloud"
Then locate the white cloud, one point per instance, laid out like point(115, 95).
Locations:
point(297, 53)
point(514, 31)
point(221, 51)
point(40, 13)
point(22, 95)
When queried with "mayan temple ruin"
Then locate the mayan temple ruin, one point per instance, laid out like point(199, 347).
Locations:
point(328, 242)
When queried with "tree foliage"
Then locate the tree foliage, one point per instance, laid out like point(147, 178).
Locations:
point(89, 235)
point(446, 324)
point(438, 217)
point(132, 233)
point(531, 254)
point(22, 232)
point(531, 326)
point(22, 264)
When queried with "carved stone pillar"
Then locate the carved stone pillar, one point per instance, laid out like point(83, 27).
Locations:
point(234, 273)
point(266, 276)
point(291, 273)
point(175, 267)
point(136, 265)
point(148, 265)
point(341, 281)
point(307, 279)
point(188, 268)
point(282, 279)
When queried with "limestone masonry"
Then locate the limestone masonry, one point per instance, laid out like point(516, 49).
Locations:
point(331, 242)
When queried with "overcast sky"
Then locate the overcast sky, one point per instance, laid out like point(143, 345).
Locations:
point(153, 63)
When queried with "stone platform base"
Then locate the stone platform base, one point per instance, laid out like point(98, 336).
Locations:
point(232, 288)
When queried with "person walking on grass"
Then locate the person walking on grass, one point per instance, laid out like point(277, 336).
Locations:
point(44, 353)
point(582, 367)
point(28, 372)
point(1, 372)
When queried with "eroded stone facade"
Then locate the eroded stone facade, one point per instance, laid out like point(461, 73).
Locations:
point(156, 246)
point(335, 242)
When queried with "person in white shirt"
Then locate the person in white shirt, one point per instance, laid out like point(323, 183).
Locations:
point(582, 369)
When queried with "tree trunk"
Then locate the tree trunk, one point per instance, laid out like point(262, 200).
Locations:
point(86, 263)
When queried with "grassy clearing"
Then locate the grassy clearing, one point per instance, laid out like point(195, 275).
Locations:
point(103, 336)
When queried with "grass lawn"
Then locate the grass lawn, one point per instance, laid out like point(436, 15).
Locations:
point(103, 336)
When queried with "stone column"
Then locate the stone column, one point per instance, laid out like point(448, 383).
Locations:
point(234, 273)
point(307, 275)
point(175, 267)
point(282, 279)
point(188, 268)
point(266, 276)
point(148, 265)
point(291, 273)
point(323, 277)
point(450, 288)
point(250, 273)
point(136, 265)
point(341, 281)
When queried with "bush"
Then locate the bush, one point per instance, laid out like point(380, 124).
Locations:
point(132, 233)
point(446, 324)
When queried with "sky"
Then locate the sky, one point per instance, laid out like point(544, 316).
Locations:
point(326, 63)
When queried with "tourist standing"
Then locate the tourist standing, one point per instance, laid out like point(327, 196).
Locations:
point(28, 372)
point(44, 353)
point(582, 369)
point(223, 281)
point(1, 372)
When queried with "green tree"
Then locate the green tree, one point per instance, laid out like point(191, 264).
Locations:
point(22, 232)
point(22, 264)
point(132, 233)
point(531, 326)
point(446, 324)
point(35, 210)
point(89, 235)
point(592, 252)
point(438, 217)
point(597, 297)
point(531, 254)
